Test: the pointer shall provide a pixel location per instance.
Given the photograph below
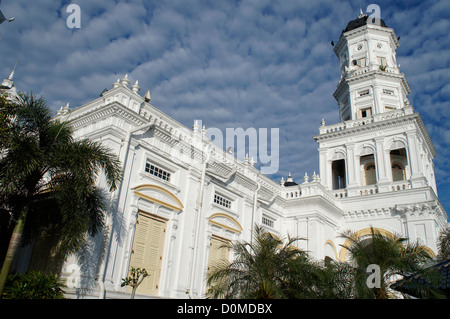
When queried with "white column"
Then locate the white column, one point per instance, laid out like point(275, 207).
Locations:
point(325, 168)
point(413, 154)
point(382, 162)
point(378, 105)
point(351, 166)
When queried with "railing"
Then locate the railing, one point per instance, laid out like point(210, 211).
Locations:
point(360, 71)
point(400, 185)
point(369, 190)
point(407, 110)
point(340, 193)
point(315, 188)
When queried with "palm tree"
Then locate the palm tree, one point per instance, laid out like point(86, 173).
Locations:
point(444, 244)
point(44, 172)
point(393, 256)
point(264, 269)
point(335, 280)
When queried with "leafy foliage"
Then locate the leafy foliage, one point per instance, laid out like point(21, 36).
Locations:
point(45, 172)
point(269, 268)
point(33, 285)
point(444, 244)
point(137, 276)
point(45, 168)
point(264, 269)
point(394, 255)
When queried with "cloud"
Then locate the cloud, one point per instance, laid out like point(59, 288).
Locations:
point(262, 64)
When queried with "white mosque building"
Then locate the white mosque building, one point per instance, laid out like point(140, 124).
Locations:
point(182, 196)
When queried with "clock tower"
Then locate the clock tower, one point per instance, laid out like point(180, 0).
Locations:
point(380, 145)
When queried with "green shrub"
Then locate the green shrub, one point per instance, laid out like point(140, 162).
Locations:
point(33, 285)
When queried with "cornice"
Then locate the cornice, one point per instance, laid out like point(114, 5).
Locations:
point(103, 111)
point(426, 135)
point(314, 200)
point(370, 75)
point(377, 126)
point(364, 29)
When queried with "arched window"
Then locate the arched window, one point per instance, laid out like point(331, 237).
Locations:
point(399, 162)
point(370, 174)
point(338, 174)
point(398, 172)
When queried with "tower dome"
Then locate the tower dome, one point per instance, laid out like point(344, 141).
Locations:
point(290, 181)
point(363, 20)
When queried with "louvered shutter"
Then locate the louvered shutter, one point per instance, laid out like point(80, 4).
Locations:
point(147, 251)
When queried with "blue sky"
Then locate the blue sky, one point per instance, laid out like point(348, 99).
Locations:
point(261, 64)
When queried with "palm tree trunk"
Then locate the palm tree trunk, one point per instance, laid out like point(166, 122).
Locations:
point(14, 243)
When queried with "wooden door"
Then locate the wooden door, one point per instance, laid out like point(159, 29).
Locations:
point(218, 253)
point(147, 251)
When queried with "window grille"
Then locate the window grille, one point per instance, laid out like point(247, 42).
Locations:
point(157, 171)
point(222, 201)
point(267, 221)
point(363, 93)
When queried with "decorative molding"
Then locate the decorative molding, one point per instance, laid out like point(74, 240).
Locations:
point(176, 204)
point(226, 221)
point(362, 233)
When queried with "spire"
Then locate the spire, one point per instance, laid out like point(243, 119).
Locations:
point(116, 84)
point(147, 97)
point(289, 178)
point(195, 126)
point(290, 181)
point(7, 86)
point(203, 131)
point(306, 177)
point(64, 110)
point(136, 88)
point(8, 83)
point(125, 82)
point(361, 13)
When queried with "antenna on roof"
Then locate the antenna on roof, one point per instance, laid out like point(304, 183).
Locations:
point(361, 13)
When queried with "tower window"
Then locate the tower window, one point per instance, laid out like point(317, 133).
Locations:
point(398, 172)
point(363, 93)
point(368, 167)
point(359, 62)
point(370, 174)
point(388, 92)
point(389, 108)
point(366, 112)
point(338, 174)
point(398, 160)
point(382, 61)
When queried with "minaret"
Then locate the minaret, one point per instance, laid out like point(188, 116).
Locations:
point(371, 82)
point(380, 144)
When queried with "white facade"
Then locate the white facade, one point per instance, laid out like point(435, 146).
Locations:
point(182, 194)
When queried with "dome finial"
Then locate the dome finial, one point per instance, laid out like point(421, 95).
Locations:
point(361, 13)
point(136, 88)
point(289, 178)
